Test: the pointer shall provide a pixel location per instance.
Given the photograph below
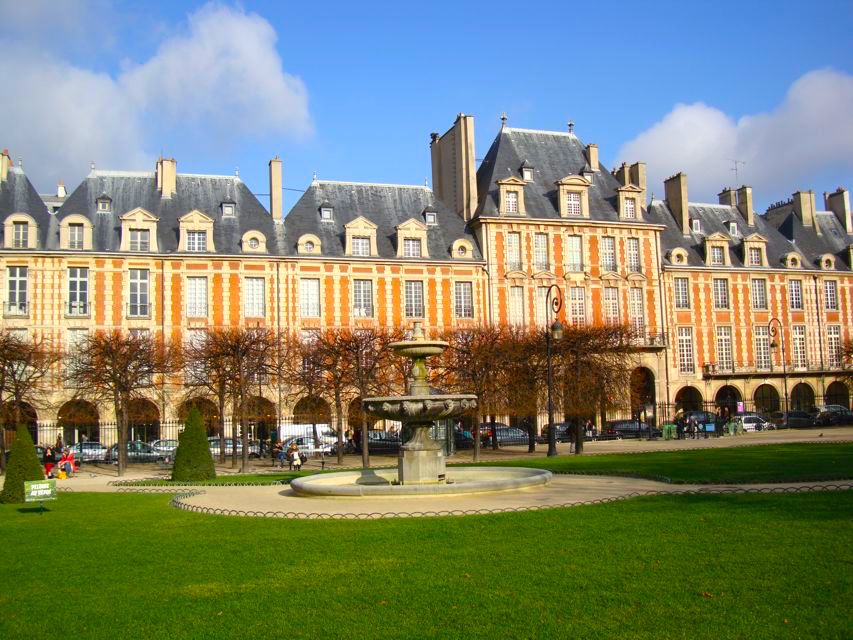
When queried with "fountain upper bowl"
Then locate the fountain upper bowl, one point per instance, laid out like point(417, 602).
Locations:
point(421, 408)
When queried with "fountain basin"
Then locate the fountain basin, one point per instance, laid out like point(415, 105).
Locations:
point(382, 482)
point(420, 408)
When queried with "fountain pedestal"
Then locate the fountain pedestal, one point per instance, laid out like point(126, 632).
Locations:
point(421, 460)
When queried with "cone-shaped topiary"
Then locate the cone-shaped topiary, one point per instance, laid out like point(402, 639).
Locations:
point(192, 459)
point(23, 465)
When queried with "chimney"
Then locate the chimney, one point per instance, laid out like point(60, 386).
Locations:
point(623, 175)
point(60, 190)
point(839, 203)
point(638, 177)
point(275, 189)
point(675, 189)
point(454, 171)
point(167, 171)
point(744, 204)
point(592, 156)
point(728, 197)
point(5, 164)
point(804, 207)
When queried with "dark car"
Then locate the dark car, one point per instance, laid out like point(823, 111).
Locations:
point(834, 418)
point(89, 452)
point(506, 435)
point(795, 419)
point(630, 429)
point(381, 442)
point(137, 451)
point(564, 432)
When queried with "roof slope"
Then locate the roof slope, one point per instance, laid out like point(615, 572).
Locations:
point(17, 195)
point(385, 205)
point(833, 238)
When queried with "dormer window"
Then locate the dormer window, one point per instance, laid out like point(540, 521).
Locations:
point(361, 246)
point(140, 240)
point(733, 230)
point(412, 248)
point(526, 171)
point(431, 218)
point(755, 257)
point(105, 204)
point(228, 209)
point(21, 237)
point(573, 203)
point(197, 241)
point(309, 246)
point(630, 208)
point(327, 212)
point(511, 205)
point(461, 251)
point(697, 226)
point(75, 235)
point(717, 256)
point(254, 243)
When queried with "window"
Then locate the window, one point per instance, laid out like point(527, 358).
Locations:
point(697, 226)
point(638, 314)
point(574, 254)
point(196, 241)
point(309, 297)
point(527, 174)
point(733, 230)
point(326, 214)
point(630, 208)
point(633, 250)
point(74, 339)
point(196, 297)
point(830, 295)
point(431, 218)
point(140, 239)
point(360, 246)
point(685, 350)
point(608, 254)
point(540, 251)
point(21, 235)
point(104, 205)
point(755, 257)
point(611, 305)
point(462, 251)
point(573, 203)
point(75, 236)
point(78, 291)
point(541, 308)
point(516, 306)
point(798, 344)
point(718, 256)
point(721, 293)
point(513, 252)
point(195, 369)
point(411, 247)
point(511, 202)
point(227, 210)
point(414, 299)
point(762, 347)
point(16, 302)
point(253, 298)
point(833, 345)
point(577, 306)
point(464, 298)
point(724, 349)
point(795, 294)
point(682, 293)
point(139, 306)
point(759, 294)
point(362, 298)
point(254, 243)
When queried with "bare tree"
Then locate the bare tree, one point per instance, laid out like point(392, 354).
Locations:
point(26, 368)
point(335, 358)
point(523, 371)
point(119, 367)
point(847, 362)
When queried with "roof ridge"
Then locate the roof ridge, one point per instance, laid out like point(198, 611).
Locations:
point(564, 134)
point(117, 173)
point(374, 184)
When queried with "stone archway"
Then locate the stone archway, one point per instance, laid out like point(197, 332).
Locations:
point(208, 410)
point(143, 420)
point(27, 417)
point(643, 395)
point(688, 399)
point(355, 415)
point(727, 398)
point(78, 420)
point(837, 393)
point(262, 417)
point(802, 397)
point(312, 410)
point(766, 399)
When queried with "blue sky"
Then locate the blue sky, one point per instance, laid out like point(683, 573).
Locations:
point(353, 90)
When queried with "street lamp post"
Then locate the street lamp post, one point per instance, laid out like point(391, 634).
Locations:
point(555, 332)
point(774, 328)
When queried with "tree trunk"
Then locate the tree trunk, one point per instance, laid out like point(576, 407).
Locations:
point(494, 432)
point(579, 437)
point(244, 435)
point(476, 434)
point(221, 400)
point(531, 435)
point(340, 426)
point(2, 433)
point(121, 418)
point(365, 454)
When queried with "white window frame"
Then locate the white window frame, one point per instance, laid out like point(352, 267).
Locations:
point(516, 306)
point(513, 251)
point(718, 256)
point(733, 230)
point(577, 306)
point(412, 248)
point(759, 294)
point(681, 293)
point(78, 291)
point(724, 349)
point(608, 254)
point(76, 235)
point(637, 311)
point(686, 360)
point(799, 353)
point(360, 246)
point(196, 296)
point(540, 252)
point(574, 253)
point(833, 345)
point(20, 235)
point(139, 293)
point(362, 298)
point(309, 297)
point(756, 257)
point(140, 240)
point(541, 309)
point(17, 291)
point(463, 297)
point(722, 300)
point(795, 295)
point(632, 251)
point(527, 174)
point(511, 204)
point(573, 204)
point(696, 225)
point(610, 299)
point(761, 339)
point(830, 295)
point(196, 241)
point(631, 208)
point(414, 299)
point(254, 297)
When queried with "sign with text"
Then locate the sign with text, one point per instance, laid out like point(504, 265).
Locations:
point(39, 490)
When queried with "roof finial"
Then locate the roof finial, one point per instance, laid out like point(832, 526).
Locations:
point(503, 119)
point(237, 171)
point(20, 163)
point(314, 179)
point(92, 165)
point(571, 126)
point(426, 181)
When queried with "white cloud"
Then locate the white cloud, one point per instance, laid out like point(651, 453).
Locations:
point(810, 132)
point(223, 78)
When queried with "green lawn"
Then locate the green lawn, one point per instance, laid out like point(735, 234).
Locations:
point(766, 463)
point(733, 566)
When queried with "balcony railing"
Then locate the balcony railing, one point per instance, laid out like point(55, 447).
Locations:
point(15, 310)
point(712, 369)
point(196, 311)
point(514, 266)
point(362, 312)
point(77, 309)
point(541, 266)
point(652, 340)
point(575, 267)
point(139, 310)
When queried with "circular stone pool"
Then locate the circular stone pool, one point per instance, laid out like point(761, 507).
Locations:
point(382, 482)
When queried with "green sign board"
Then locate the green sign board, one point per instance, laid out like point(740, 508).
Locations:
point(39, 490)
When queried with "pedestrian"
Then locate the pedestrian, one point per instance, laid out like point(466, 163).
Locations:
point(278, 453)
point(295, 457)
point(59, 446)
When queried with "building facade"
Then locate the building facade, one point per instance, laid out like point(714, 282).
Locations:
point(714, 293)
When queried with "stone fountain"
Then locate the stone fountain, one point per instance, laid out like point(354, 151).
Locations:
point(421, 458)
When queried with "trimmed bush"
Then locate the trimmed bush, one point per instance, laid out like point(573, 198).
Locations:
point(23, 465)
point(193, 460)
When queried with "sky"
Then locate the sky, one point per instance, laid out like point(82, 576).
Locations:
point(352, 91)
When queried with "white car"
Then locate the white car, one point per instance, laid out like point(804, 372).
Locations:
point(753, 423)
point(308, 445)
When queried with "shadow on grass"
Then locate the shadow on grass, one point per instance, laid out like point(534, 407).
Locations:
point(33, 510)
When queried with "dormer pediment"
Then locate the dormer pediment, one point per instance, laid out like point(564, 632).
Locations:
point(611, 276)
point(411, 225)
point(512, 181)
point(636, 277)
point(630, 188)
point(195, 217)
point(361, 224)
point(573, 181)
point(717, 237)
point(544, 275)
point(755, 237)
point(139, 215)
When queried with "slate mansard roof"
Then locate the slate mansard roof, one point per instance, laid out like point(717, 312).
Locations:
point(17, 195)
point(553, 155)
point(385, 205)
point(832, 239)
point(130, 190)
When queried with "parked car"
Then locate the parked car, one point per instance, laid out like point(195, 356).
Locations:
point(832, 418)
point(795, 419)
point(89, 451)
point(506, 435)
point(630, 429)
point(166, 447)
point(753, 422)
point(564, 432)
point(308, 445)
point(380, 442)
point(213, 443)
point(137, 451)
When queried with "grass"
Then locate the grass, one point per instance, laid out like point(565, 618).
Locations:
point(793, 462)
point(699, 566)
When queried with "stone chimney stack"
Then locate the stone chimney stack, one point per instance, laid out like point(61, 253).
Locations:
point(275, 189)
point(167, 177)
point(622, 174)
point(839, 203)
point(637, 176)
point(454, 170)
point(60, 190)
point(728, 197)
point(592, 156)
point(804, 207)
point(744, 205)
point(5, 165)
point(675, 190)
